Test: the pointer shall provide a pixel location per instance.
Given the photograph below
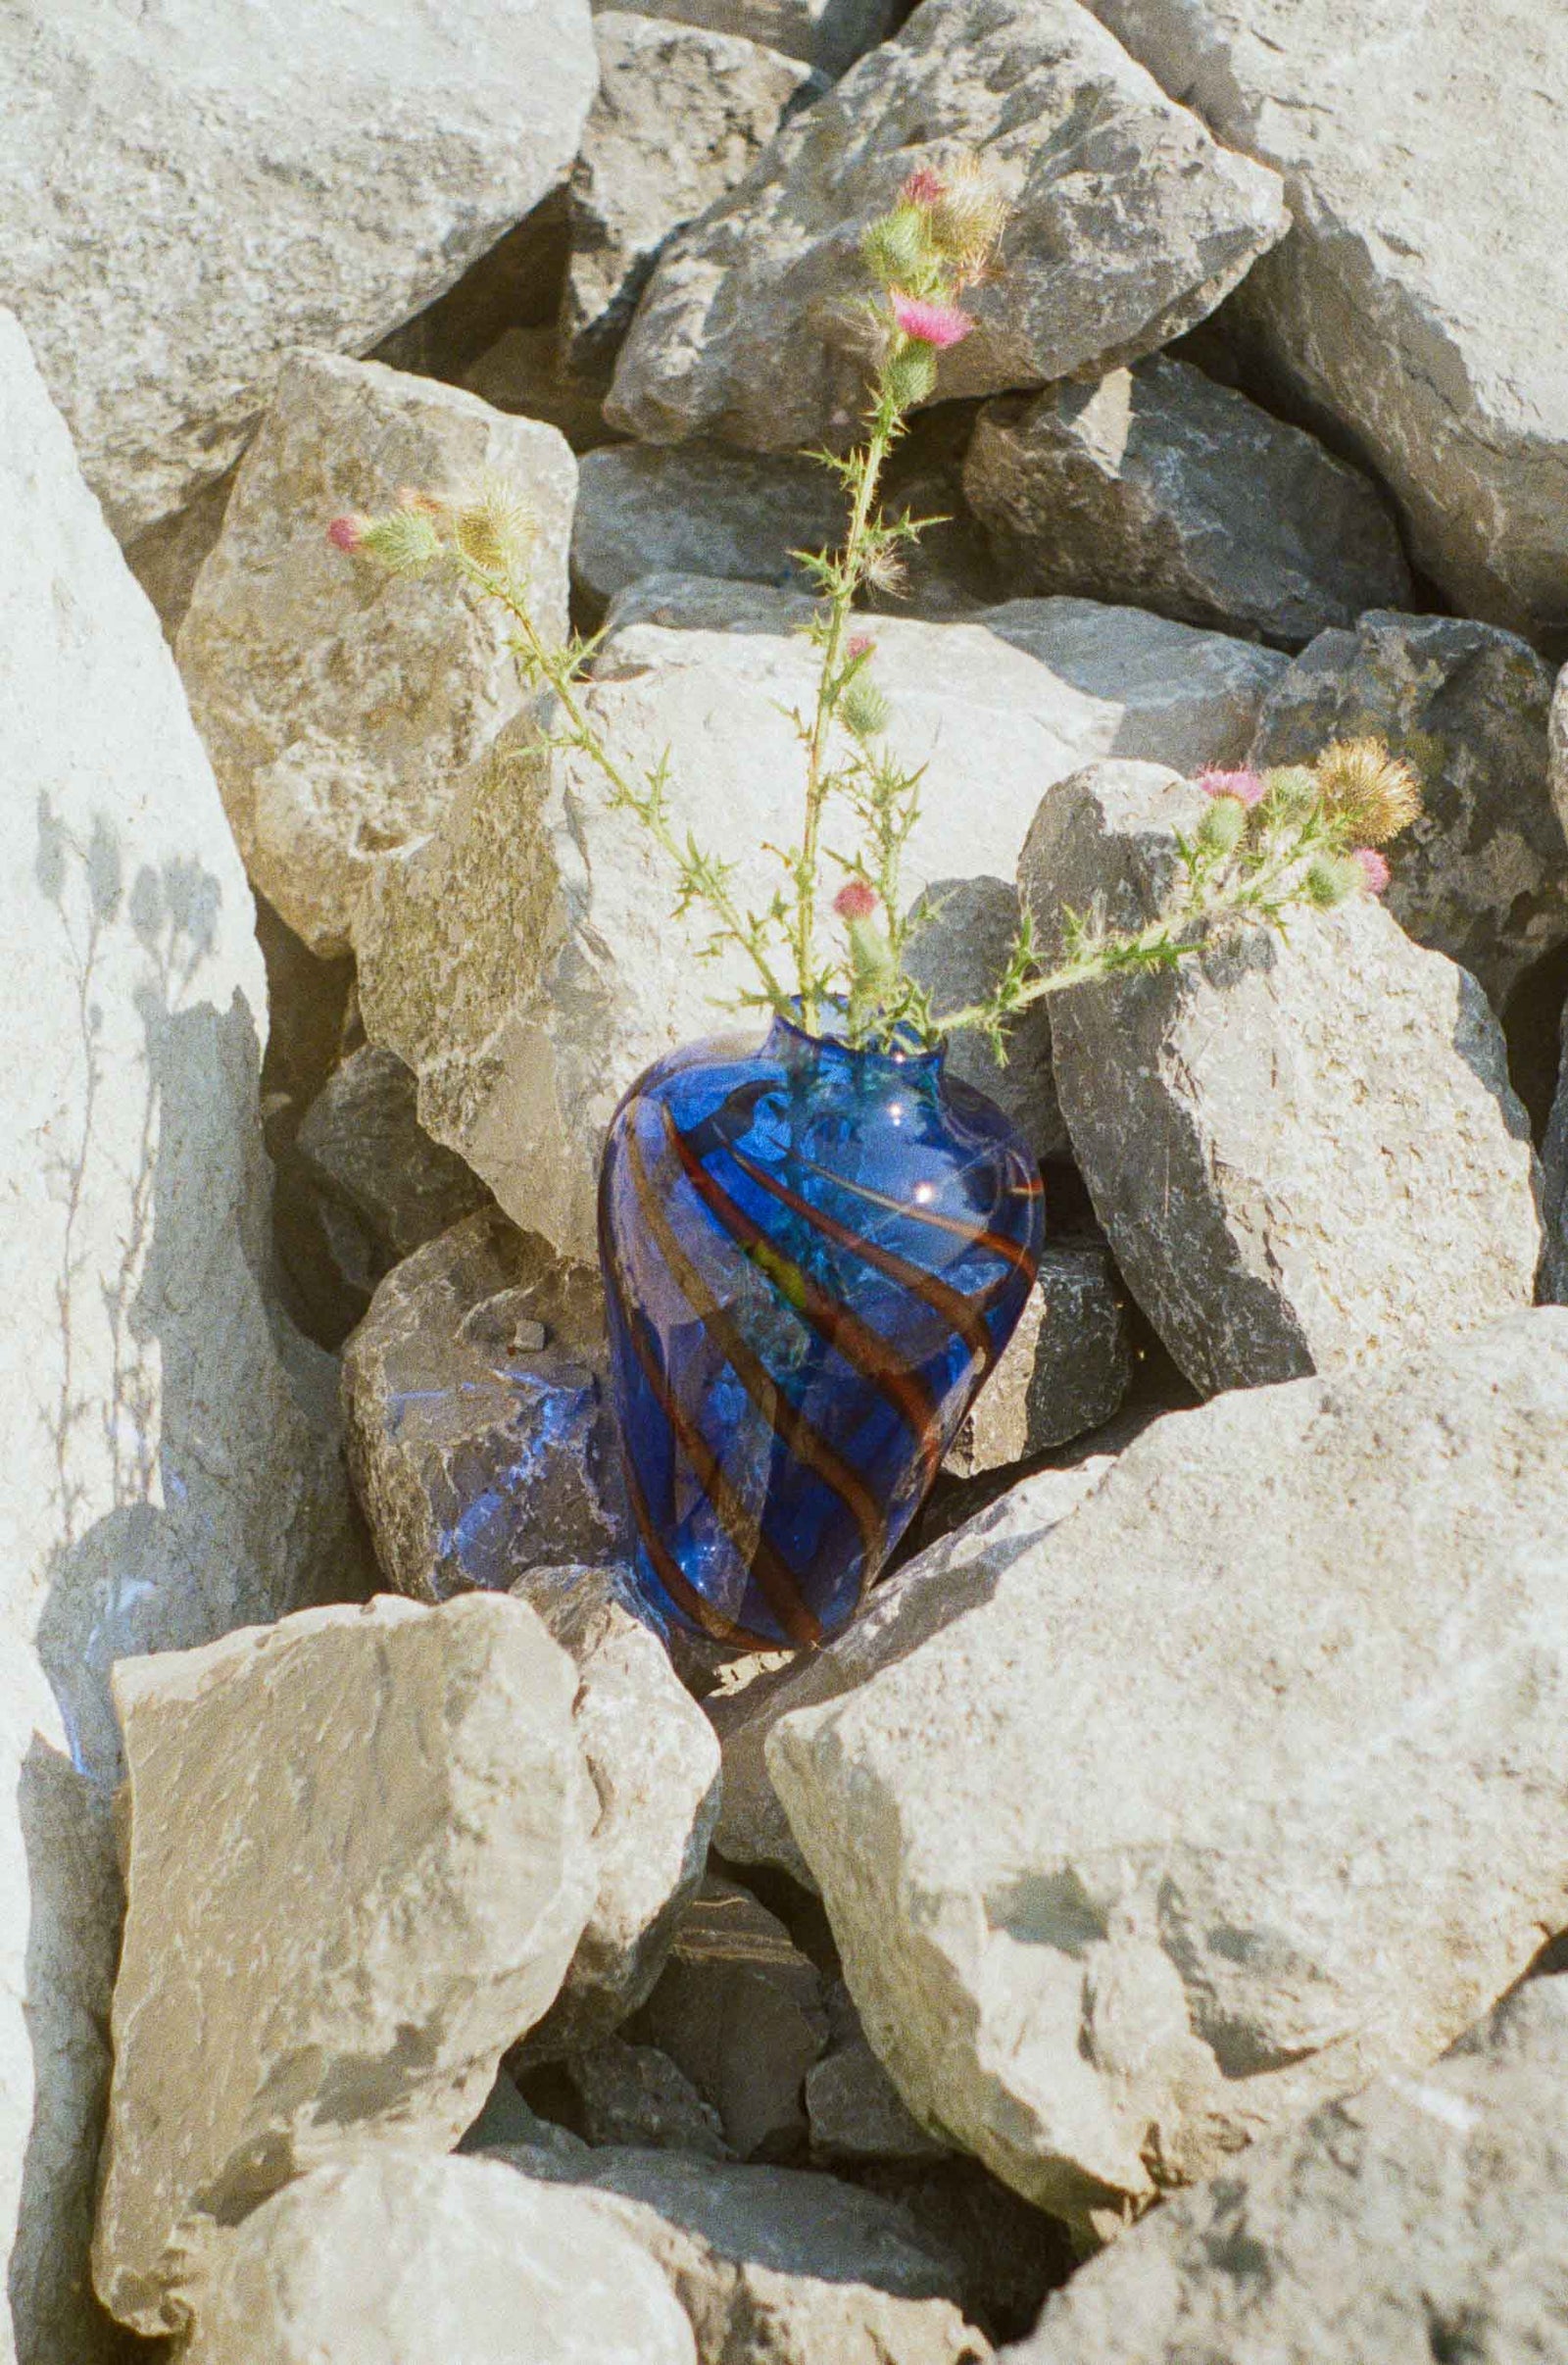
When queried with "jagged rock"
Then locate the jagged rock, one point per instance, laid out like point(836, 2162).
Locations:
point(1482, 875)
point(697, 510)
point(523, 961)
point(513, 284)
point(359, 1864)
point(634, 183)
point(1554, 1186)
point(829, 34)
point(935, 1586)
point(479, 1438)
point(634, 2094)
point(1414, 302)
point(1304, 1151)
point(185, 202)
point(1425, 2217)
point(1127, 226)
point(385, 1188)
point(523, 371)
point(1240, 1789)
point(1065, 1369)
point(173, 1464)
point(169, 556)
point(339, 705)
point(1011, 2256)
point(395, 2259)
point(856, 2112)
point(1158, 487)
point(741, 2011)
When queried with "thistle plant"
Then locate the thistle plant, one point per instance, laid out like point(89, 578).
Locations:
point(1304, 837)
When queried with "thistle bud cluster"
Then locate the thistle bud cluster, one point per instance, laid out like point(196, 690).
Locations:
point(1336, 812)
point(489, 527)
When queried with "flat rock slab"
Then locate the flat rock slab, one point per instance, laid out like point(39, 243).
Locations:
point(1128, 224)
point(697, 510)
point(1243, 1787)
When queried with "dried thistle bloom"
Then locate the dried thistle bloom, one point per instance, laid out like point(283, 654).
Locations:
point(886, 570)
point(347, 532)
point(1371, 794)
point(1374, 868)
point(930, 323)
point(1247, 788)
point(493, 528)
point(968, 221)
point(404, 542)
point(421, 504)
point(855, 900)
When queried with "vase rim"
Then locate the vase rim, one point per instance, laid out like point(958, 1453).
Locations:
point(914, 1056)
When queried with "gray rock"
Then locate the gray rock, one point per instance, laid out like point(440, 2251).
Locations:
point(1554, 1185)
point(697, 510)
point(1242, 1788)
point(1128, 224)
point(633, 2095)
point(169, 556)
point(634, 185)
point(339, 705)
point(391, 1188)
point(522, 371)
point(395, 2258)
point(478, 1434)
point(358, 1865)
point(1415, 303)
point(1426, 2217)
point(253, 181)
point(1065, 1369)
point(829, 34)
point(1156, 487)
point(1304, 1151)
point(1482, 875)
point(857, 2113)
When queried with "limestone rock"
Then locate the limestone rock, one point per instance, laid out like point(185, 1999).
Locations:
point(359, 1864)
point(1425, 2217)
point(479, 1437)
point(523, 371)
point(396, 2260)
point(523, 961)
point(1240, 1789)
point(1482, 875)
point(185, 199)
point(682, 114)
point(1304, 1151)
point(829, 34)
point(938, 1584)
point(1156, 487)
point(697, 510)
point(340, 704)
point(386, 1188)
point(172, 1467)
point(633, 2095)
point(1128, 224)
point(1557, 738)
point(1065, 1369)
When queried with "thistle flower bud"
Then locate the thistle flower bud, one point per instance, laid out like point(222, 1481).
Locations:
point(1222, 826)
point(1370, 793)
point(858, 645)
point(1329, 879)
point(911, 376)
point(347, 533)
point(923, 188)
point(865, 708)
point(931, 322)
point(897, 249)
point(493, 528)
point(1373, 866)
point(855, 900)
point(1290, 794)
point(1246, 787)
point(404, 542)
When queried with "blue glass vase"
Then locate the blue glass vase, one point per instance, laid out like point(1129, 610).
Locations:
point(812, 1257)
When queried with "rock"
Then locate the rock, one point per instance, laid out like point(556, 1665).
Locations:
point(1128, 224)
point(479, 1438)
point(1304, 1151)
point(1483, 876)
point(857, 2113)
point(1010, 2256)
point(1156, 487)
point(394, 2259)
point(968, 929)
point(1554, 1278)
point(386, 1188)
point(919, 1600)
point(1065, 1369)
point(169, 556)
point(829, 34)
point(697, 510)
point(359, 1864)
point(634, 2094)
point(633, 184)
point(249, 184)
point(516, 283)
point(1558, 746)
point(1238, 1791)
point(173, 1465)
point(339, 705)
point(1425, 2217)
point(1410, 302)
point(741, 2011)
point(523, 371)
point(523, 961)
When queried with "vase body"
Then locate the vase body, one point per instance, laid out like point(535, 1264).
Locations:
point(813, 1258)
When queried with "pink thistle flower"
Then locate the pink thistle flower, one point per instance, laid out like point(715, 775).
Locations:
point(931, 324)
point(1246, 787)
point(855, 900)
point(858, 645)
point(924, 187)
point(346, 533)
point(1374, 869)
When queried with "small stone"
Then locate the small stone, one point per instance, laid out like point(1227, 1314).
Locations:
point(360, 1862)
point(377, 1166)
point(1065, 1369)
point(856, 2112)
point(1158, 488)
point(477, 1451)
point(697, 510)
point(634, 2094)
point(829, 34)
point(522, 371)
point(338, 706)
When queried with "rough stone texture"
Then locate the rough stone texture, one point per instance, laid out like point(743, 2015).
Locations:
point(185, 197)
point(1482, 875)
point(1304, 1151)
point(522, 371)
point(1065, 1369)
point(340, 704)
point(1558, 746)
point(169, 556)
point(396, 2260)
point(1414, 301)
point(386, 1188)
point(829, 34)
point(1426, 2217)
point(1128, 224)
point(172, 1463)
point(359, 1863)
point(633, 2095)
point(479, 1438)
point(523, 961)
point(681, 116)
point(1243, 1787)
point(741, 2010)
point(857, 2113)
point(937, 1585)
point(1156, 487)
point(697, 510)
point(1553, 1277)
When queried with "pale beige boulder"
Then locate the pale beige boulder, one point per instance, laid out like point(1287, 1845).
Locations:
point(829, 34)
